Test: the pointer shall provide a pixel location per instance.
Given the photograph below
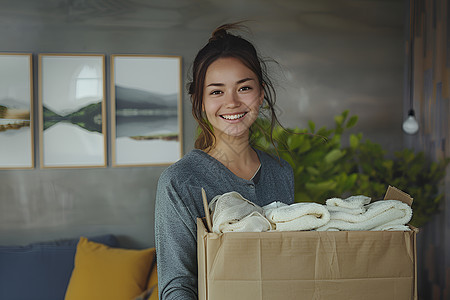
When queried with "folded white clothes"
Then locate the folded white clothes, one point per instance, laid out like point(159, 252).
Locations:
point(379, 213)
point(391, 228)
point(232, 212)
point(254, 222)
point(353, 211)
point(353, 205)
point(297, 216)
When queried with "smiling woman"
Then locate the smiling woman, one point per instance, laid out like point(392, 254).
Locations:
point(229, 91)
point(231, 106)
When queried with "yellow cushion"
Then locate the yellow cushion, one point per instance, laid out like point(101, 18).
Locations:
point(151, 293)
point(153, 283)
point(102, 272)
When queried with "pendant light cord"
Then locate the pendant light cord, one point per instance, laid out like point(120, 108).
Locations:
point(412, 12)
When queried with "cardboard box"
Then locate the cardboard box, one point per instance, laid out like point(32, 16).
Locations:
point(308, 264)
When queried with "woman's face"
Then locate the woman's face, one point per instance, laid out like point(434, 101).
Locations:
point(231, 97)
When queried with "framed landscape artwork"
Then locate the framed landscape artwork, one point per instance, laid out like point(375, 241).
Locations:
point(16, 111)
point(72, 110)
point(145, 110)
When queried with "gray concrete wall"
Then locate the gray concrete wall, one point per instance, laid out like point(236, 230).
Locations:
point(333, 55)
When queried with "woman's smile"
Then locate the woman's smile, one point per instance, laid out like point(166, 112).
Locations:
point(233, 117)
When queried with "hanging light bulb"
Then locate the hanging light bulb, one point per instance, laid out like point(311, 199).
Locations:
point(410, 126)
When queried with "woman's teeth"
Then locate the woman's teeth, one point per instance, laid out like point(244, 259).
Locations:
point(233, 117)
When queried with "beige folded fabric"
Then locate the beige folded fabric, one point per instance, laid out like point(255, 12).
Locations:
point(297, 216)
point(391, 228)
point(380, 213)
point(254, 222)
point(232, 212)
point(352, 205)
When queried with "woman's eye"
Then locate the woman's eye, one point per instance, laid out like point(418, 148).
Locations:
point(245, 88)
point(215, 92)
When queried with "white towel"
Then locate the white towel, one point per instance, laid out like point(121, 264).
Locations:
point(254, 222)
point(232, 212)
point(297, 216)
point(384, 212)
point(391, 228)
point(352, 211)
point(352, 205)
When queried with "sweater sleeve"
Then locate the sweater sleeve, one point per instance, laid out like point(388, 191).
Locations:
point(176, 244)
point(291, 181)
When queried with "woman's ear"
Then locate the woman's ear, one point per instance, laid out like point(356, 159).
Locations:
point(261, 97)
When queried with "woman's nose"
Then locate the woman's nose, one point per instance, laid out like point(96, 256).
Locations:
point(232, 100)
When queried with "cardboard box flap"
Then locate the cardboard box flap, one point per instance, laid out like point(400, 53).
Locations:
point(201, 253)
point(394, 193)
point(206, 208)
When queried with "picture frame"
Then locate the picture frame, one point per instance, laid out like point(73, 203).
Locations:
point(16, 111)
point(146, 112)
point(72, 120)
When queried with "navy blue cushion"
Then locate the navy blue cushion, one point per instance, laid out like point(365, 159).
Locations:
point(40, 271)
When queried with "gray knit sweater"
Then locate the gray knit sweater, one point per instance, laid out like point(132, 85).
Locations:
point(179, 204)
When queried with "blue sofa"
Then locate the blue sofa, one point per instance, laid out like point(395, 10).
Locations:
point(40, 271)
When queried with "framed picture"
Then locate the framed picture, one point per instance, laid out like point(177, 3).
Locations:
point(16, 111)
point(145, 110)
point(72, 110)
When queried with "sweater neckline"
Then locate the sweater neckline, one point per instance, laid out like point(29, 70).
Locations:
point(221, 165)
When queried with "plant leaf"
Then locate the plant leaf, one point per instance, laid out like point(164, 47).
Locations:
point(352, 122)
point(334, 155)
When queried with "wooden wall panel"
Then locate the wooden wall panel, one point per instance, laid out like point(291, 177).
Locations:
point(431, 70)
